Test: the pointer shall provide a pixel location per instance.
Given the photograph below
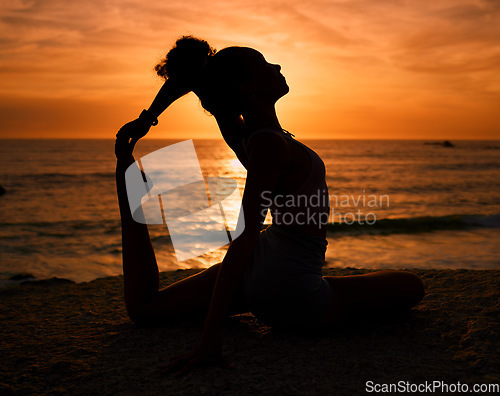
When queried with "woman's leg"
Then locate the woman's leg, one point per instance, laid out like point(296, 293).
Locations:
point(145, 303)
point(374, 294)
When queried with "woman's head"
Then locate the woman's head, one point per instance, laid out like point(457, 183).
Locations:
point(225, 81)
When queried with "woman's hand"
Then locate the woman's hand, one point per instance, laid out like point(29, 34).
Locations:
point(128, 135)
point(135, 129)
point(205, 353)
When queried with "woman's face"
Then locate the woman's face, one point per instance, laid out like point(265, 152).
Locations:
point(267, 81)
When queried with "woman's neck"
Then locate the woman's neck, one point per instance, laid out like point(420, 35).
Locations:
point(261, 117)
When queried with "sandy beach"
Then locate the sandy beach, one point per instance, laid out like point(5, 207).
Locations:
point(60, 337)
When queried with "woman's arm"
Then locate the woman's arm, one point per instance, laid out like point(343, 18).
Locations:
point(168, 93)
point(267, 154)
point(266, 158)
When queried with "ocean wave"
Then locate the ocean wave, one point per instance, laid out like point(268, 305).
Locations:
point(57, 177)
point(467, 166)
point(106, 225)
point(63, 229)
point(418, 224)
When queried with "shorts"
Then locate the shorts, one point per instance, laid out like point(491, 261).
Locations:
point(283, 284)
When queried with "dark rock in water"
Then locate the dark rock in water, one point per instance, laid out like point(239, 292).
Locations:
point(48, 282)
point(445, 143)
point(2, 190)
point(23, 276)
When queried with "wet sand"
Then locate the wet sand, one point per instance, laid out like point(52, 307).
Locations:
point(60, 337)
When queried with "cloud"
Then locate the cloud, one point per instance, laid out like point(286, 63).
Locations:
point(68, 46)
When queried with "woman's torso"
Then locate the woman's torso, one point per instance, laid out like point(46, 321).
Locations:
point(300, 201)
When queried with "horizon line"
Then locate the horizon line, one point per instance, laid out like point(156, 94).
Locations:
point(184, 138)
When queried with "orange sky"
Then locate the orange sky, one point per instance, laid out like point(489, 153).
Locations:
point(356, 69)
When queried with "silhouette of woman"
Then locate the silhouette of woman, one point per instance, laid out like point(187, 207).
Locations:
point(276, 274)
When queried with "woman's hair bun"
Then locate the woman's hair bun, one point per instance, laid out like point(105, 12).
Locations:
point(185, 60)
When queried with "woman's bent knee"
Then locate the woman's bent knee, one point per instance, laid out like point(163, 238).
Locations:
point(137, 317)
point(146, 320)
point(141, 317)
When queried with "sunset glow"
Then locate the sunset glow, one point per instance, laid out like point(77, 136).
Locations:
point(356, 69)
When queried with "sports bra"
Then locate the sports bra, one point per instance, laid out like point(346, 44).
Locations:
point(307, 209)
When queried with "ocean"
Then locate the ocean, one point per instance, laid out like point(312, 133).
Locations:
point(422, 205)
